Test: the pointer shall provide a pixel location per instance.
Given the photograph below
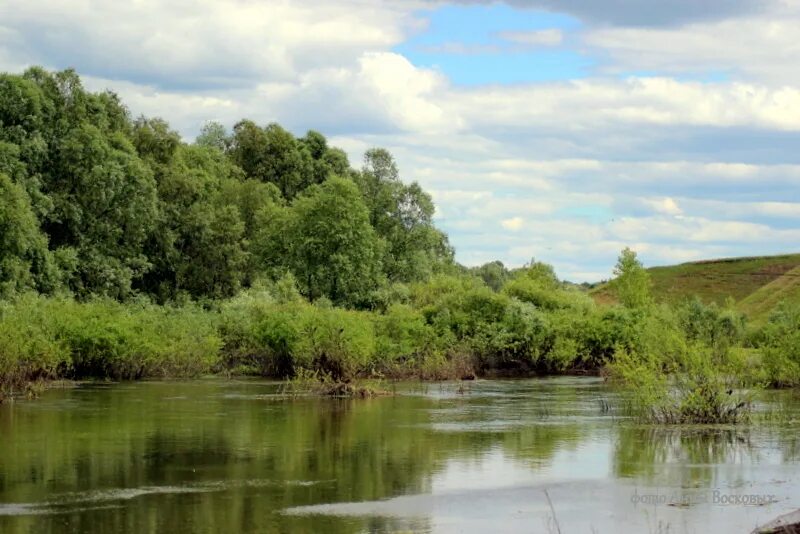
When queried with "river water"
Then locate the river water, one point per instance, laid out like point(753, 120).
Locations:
point(533, 455)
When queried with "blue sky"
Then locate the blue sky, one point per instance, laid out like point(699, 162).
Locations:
point(560, 130)
point(471, 45)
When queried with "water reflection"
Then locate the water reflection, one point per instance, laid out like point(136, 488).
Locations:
point(684, 457)
point(226, 456)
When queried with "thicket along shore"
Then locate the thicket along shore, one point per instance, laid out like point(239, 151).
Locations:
point(129, 253)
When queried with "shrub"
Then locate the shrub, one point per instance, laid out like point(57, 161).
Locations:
point(338, 343)
point(779, 344)
point(403, 338)
point(670, 379)
point(110, 340)
point(278, 332)
point(29, 349)
point(711, 324)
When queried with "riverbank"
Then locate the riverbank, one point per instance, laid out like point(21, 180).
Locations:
point(684, 363)
point(257, 333)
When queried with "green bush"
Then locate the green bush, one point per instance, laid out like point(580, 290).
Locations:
point(278, 332)
point(29, 348)
point(403, 338)
point(779, 344)
point(338, 343)
point(110, 340)
point(533, 292)
point(243, 349)
point(59, 337)
point(711, 324)
point(671, 379)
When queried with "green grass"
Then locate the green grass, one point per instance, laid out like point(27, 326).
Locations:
point(759, 304)
point(758, 283)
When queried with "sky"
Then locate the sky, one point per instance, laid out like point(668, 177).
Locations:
point(554, 130)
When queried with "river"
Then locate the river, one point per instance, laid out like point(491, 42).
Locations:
point(536, 455)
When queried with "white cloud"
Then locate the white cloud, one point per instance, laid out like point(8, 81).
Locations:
point(548, 37)
point(513, 224)
point(666, 206)
point(404, 90)
point(200, 43)
point(602, 103)
point(762, 46)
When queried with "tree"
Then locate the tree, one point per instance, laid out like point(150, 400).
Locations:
point(325, 161)
point(25, 261)
point(154, 140)
point(23, 149)
point(542, 273)
point(251, 198)
point(494, 274)
point(316, 144)
point(212, 252)
point(107, 205)
point(403, 216)
point(72, 152)
point(632, 282)
point(104, 205)
point(334, 251)
point(336, 161)
point(22, 108)
point(537, 284)
point(213, 135)
point(199, 245)
point(272, 155)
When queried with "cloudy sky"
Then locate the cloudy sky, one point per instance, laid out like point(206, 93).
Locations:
point(561, 130)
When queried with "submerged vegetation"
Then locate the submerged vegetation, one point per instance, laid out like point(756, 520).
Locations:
point(127, 253)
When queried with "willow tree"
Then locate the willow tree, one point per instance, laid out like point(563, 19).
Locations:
point(632, 282)
point(402, 215)
point(334, 251)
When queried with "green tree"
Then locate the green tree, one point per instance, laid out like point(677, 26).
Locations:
point(334, 251)
point(154, 140)
point(104, 205)
point(199, 245)
point(214, 258)
point(71, 151)
point(337, 162)
point(537, 284)
point(325, 161)
point(23, 149)
point(272, 155)
point(632, 282)
point(25, 261)
point(214, 135)
point(403, 216)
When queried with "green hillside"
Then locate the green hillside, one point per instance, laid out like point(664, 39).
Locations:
point(756, 283)
point(761, 302)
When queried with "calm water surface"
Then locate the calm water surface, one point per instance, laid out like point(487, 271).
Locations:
point(234, 456)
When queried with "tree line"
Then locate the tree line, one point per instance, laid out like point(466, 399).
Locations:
point(97, 203)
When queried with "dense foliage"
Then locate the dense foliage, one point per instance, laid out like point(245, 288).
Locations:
point(126, 252)
point(99, 204)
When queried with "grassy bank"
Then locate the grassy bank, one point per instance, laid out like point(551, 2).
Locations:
point(759, 305)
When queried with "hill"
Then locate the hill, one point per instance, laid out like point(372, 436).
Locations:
point(756, 283)
point(758, 305)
